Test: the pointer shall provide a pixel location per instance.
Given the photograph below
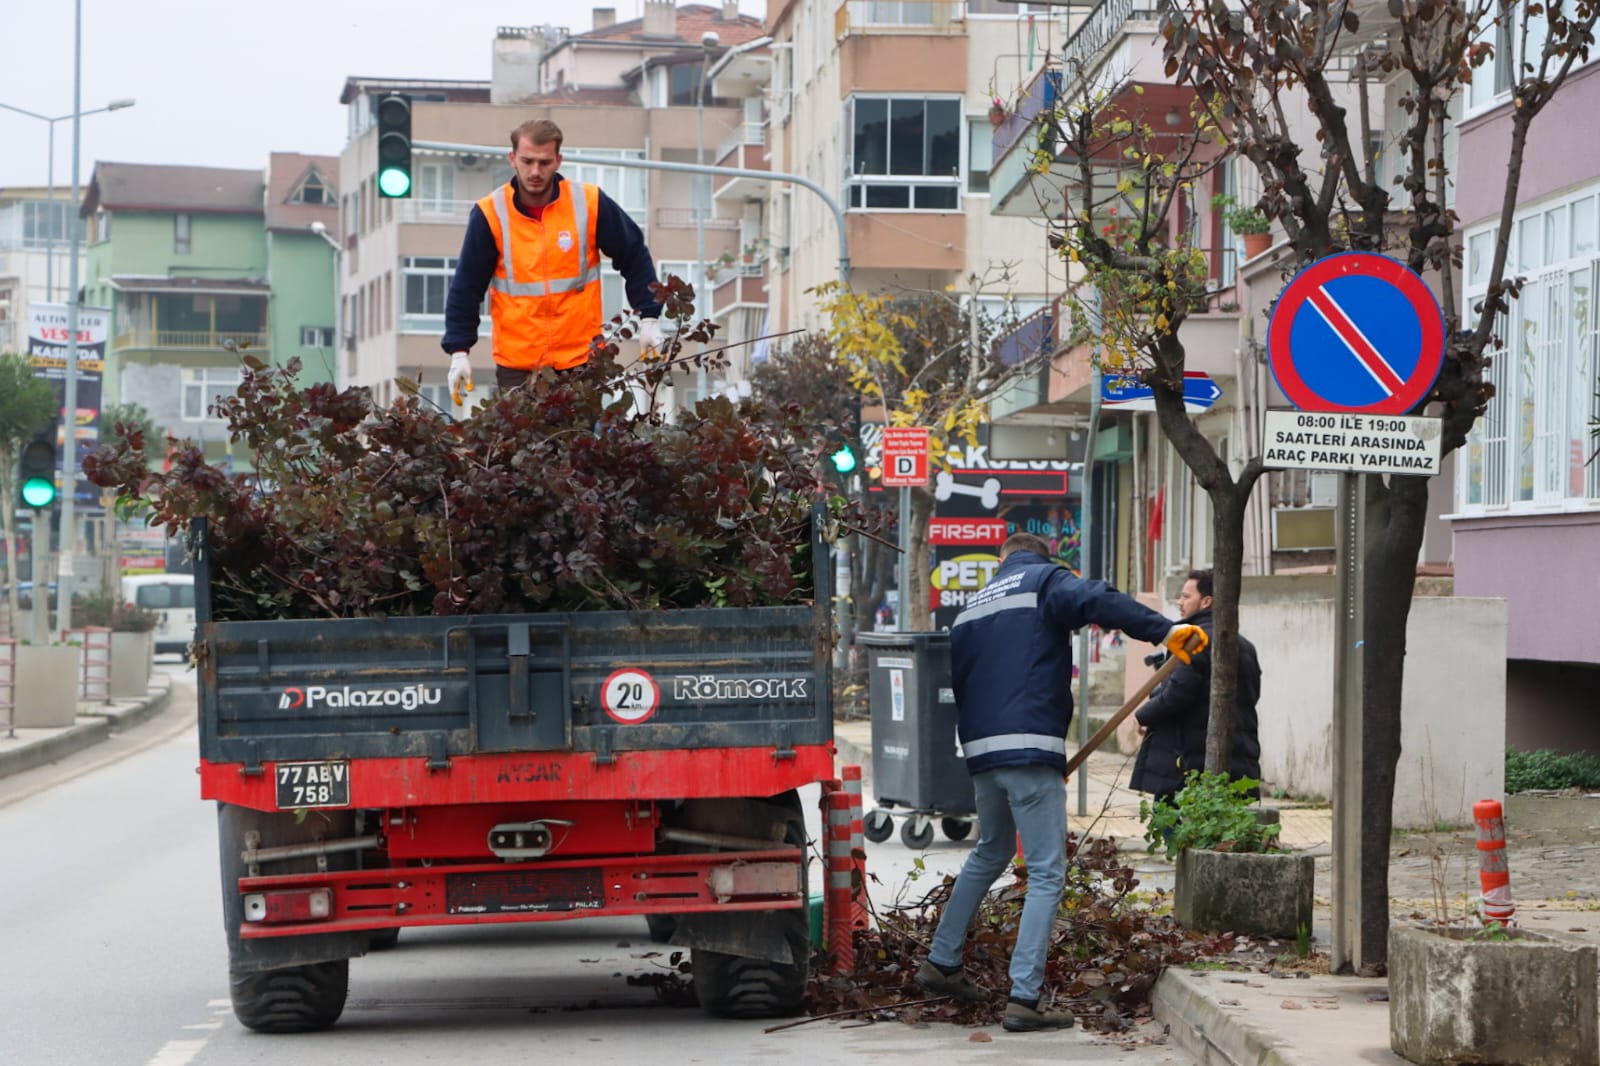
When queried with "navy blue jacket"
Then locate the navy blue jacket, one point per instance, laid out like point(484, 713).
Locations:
point(1011, 658)
point(1179, 712)
point(615, 232)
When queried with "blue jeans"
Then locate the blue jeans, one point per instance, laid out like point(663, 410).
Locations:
point(1030, 801)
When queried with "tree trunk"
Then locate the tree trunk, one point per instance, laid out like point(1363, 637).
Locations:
point(1396, 517)
point(8, 528)
point(1227, 531)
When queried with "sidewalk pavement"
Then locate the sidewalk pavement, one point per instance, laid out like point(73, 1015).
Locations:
point(1252, 1019)
point(96, 722)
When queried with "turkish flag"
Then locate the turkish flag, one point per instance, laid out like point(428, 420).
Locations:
point(1156, 514)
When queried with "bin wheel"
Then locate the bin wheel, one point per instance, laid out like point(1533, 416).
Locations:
point(879, 826)
point(911, 838)
point(956, 828)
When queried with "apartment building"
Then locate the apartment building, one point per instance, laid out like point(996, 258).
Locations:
point(200, 264)
point(1527, 490)
point(1153, 521)
point(621, 91)
point(35, 242)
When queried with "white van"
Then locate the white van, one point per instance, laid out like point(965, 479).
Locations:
point(171, 596)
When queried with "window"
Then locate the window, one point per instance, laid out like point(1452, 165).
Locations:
point(626, 185)
point(904, 153)
point(204, 386)
point(427, 282)
point(980, 153)
point(1514, 54)
point(683, 82)
point(312, 190)
point(102, 226)
point(1529, 450)
point(436, 186)
point(180, 234)
point(316, 336)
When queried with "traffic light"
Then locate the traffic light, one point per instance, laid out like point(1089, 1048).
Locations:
point(38, 470)
point(843, 457)
point(394, 146)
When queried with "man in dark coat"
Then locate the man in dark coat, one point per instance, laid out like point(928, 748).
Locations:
point(1173, 722)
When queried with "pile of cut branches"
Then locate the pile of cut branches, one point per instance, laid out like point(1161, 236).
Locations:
point(1109, 946)
point(572, 493)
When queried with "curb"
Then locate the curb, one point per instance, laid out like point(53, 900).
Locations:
point(90, 728)
point(849, 753)
point(1203, 1028)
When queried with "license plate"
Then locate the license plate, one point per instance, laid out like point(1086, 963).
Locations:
point(313, 784)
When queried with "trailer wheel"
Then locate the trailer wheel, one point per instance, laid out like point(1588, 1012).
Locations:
point(733, 986)
point(297, 999)
point(956, 828)
point(879, 825)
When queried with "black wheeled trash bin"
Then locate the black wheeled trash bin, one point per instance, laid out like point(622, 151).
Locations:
point(916, 759)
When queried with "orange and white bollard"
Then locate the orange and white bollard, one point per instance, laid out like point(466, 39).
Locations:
point(839, 902)
point(1494, 873)
point(859, 916)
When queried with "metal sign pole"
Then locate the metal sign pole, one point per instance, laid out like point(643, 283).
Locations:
point(902, 617)
point(1350, 546)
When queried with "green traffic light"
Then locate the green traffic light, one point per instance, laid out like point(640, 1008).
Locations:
point(39, 492)
point(394, 182)
point(843, 460)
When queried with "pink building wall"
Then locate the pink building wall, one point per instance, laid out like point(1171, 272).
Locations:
point(1548, 570)
point(1561, 152)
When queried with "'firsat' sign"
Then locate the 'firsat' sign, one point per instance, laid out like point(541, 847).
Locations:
point(1360, 444)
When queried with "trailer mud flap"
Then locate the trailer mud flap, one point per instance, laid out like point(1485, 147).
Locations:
point(748, 934)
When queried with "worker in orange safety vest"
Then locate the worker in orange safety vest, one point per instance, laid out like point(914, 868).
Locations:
point(534, 244)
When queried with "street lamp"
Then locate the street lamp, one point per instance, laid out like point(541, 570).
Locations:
point(50, 232)
point(708, 42)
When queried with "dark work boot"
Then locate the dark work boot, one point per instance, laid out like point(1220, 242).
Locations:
point(1025, 1018)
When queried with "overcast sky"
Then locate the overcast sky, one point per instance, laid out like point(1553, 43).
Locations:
point(220, 83)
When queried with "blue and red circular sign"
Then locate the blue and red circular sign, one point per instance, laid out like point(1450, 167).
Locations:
point(1356, 332)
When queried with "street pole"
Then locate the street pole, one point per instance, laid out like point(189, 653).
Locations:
point(69, 414)
point(50, 234)
point(707, 42)
point(902, 616)
point(1350, 549)
point(1085, 550)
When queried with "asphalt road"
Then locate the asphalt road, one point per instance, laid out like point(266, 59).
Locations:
point(113, 954)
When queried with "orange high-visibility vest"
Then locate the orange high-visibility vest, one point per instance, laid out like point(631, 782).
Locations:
point(544, 297)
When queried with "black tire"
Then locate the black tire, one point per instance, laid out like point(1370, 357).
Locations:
point(383, 939)
point(661, 927)
point(911, 838)
point(297, 999)
point(879, 826)
point(956, 828)
point(733, 986)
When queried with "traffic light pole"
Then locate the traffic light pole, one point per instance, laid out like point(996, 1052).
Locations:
point(69, 413)
point(41, 580)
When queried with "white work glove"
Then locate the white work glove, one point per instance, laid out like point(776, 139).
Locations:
point(649, 335)
point(460, 374)
point(1179, 639)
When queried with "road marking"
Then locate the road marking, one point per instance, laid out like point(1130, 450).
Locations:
point(177, 1053)
point(205, 1025)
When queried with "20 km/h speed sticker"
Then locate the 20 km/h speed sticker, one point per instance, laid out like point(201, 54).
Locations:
point(630, 696)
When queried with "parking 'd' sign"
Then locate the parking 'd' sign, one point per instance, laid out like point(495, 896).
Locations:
point(905, 456)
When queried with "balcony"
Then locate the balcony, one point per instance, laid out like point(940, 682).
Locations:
point(741, 285)
point(143, 345)
point(940, 18)
point(683, 218)
point(745, 150)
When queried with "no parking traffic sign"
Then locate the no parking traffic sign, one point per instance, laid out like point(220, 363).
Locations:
point(1356, 332)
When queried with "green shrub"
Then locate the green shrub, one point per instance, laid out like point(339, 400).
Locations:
point(1212, 812)
point(1546, 769)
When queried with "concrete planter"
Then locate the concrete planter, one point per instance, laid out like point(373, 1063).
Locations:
point(131, 655)
point(1526, 1001)
point(1221, 891)
point(47, 685)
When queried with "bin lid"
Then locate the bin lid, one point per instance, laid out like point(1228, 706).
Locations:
point(904, 640)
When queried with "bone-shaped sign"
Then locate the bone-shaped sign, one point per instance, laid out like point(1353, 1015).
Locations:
point(947, 486)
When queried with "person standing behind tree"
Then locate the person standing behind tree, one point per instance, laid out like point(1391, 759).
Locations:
point(1011, 669)
point(1173, 723)
point(535, 244)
